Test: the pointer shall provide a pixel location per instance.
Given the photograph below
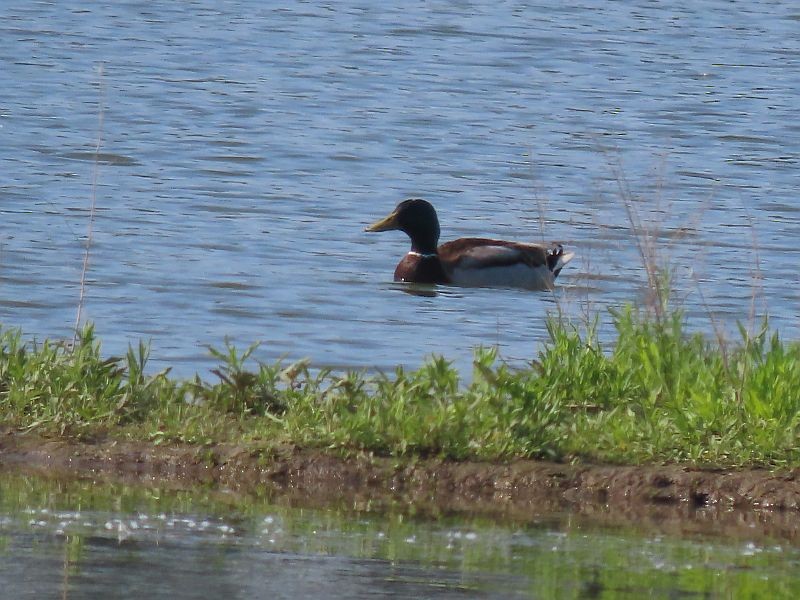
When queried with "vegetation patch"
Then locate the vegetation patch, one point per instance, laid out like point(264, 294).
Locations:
point(656, 394)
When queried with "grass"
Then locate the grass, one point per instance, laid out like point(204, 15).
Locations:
point(656, 394)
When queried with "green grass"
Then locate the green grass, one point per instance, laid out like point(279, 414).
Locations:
point(658, 393)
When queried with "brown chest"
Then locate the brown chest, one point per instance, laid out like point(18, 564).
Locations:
point(420, 268)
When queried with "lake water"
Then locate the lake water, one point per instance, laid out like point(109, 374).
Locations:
point(244, 145)
point(84, 539)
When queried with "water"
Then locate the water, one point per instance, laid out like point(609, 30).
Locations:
point(84, 539)
point(245, 145)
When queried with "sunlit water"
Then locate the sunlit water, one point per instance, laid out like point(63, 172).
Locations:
point(90, 540)
point(245, 145)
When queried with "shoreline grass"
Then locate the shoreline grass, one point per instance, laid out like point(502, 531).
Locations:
point(657, 394)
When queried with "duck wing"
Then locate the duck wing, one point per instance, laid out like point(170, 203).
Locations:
point(481, 253)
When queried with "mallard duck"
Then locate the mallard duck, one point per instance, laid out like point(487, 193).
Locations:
point(472, 262)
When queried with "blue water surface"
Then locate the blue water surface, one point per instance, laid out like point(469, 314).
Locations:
point(244, 145)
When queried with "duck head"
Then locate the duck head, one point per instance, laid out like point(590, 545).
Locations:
point(417, 219)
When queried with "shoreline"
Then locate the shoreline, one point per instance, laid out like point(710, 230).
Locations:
point(672, 497)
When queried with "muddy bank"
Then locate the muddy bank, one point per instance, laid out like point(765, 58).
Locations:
point(667, 497)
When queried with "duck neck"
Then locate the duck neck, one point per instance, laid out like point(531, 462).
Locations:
point(426, 240)
point(423, 249)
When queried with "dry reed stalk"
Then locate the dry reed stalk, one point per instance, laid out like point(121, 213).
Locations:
point(90, 226)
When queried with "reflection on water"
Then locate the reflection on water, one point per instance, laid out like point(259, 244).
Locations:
point(246, 144)
point(85, 539)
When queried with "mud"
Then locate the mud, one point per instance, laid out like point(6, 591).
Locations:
point(671, 498)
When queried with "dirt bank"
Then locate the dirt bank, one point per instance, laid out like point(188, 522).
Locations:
point(683, 496)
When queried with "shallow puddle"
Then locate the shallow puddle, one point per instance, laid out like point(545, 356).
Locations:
point(81, 539)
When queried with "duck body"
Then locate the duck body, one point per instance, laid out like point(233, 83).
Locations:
point(469, 262)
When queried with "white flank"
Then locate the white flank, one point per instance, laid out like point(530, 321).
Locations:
point(472, 272)
point(518, 276)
